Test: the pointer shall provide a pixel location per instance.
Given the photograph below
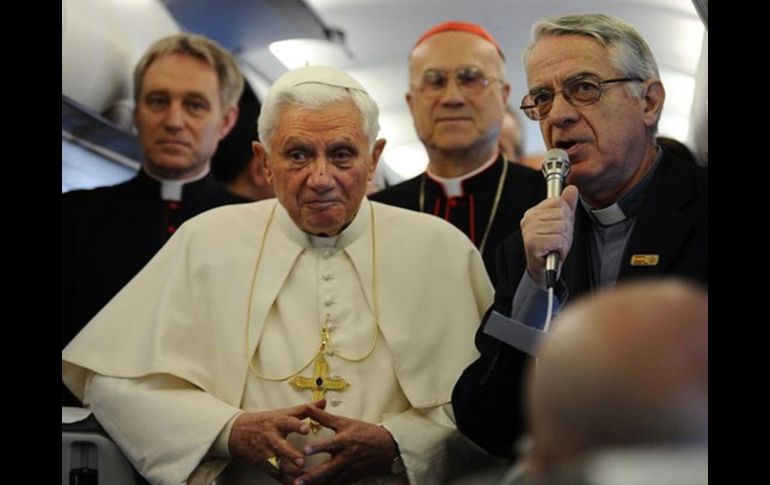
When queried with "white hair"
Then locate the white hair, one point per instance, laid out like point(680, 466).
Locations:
point(628, 51)
point(316, 95)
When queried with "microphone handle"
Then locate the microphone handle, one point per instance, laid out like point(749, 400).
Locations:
point(554, 185)
point(551, 265)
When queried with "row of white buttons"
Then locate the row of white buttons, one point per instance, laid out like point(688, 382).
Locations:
point(327, 277)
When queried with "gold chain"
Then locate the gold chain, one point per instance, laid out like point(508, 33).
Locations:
point(495, 203)
point(323, 347)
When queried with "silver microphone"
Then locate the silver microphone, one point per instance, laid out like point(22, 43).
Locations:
point(555, 169)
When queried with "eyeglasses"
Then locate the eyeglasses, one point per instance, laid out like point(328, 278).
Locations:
point(470, 78)
point(580, 91)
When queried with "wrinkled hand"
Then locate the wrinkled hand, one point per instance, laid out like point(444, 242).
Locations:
point(257, 436)
point(548, 227)
point(357, 449)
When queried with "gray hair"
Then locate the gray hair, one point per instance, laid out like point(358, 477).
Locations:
point(316, 95)
point(229, 75)
point(628, 51)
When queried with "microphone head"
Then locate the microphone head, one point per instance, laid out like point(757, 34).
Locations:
point(556, 164)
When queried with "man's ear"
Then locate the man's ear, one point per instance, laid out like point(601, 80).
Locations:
point(408, 98)
point(228, 121)
point(256, 171)
point(654, 96)
point(379, 146)
point(506, 92)
point(260, 154)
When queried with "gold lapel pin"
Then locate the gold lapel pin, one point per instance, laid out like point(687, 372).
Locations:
point(644, 260)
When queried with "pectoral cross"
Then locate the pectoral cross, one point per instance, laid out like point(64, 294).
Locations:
point(320, 382)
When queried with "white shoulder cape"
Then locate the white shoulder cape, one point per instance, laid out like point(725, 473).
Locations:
point(185, 313)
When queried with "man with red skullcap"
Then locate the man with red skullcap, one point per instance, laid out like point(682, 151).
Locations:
point(457, 95)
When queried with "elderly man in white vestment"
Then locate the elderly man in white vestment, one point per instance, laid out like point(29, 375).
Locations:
point(310, 339)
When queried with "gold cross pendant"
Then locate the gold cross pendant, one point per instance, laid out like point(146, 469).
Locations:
point(319, 383)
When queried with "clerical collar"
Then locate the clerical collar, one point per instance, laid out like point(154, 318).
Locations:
point(323, 241)
point(453, 186)
point(606, 216)
point(172, 189)
point(354, 230)
point(626, 206)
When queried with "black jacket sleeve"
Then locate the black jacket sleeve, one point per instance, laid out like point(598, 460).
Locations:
point(488, 398)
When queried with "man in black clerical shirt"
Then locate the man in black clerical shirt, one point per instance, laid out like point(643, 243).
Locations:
point(234, 165)
point(457, 95)
point(633, 209)
point(186, 91)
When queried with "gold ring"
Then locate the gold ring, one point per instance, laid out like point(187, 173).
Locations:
point(275, 462)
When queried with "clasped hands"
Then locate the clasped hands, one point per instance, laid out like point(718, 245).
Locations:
point(357, 448)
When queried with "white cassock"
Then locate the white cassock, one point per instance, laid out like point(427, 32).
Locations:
point(171, 356)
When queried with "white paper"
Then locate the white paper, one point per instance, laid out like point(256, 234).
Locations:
point(73, 415)
point(514, 333)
